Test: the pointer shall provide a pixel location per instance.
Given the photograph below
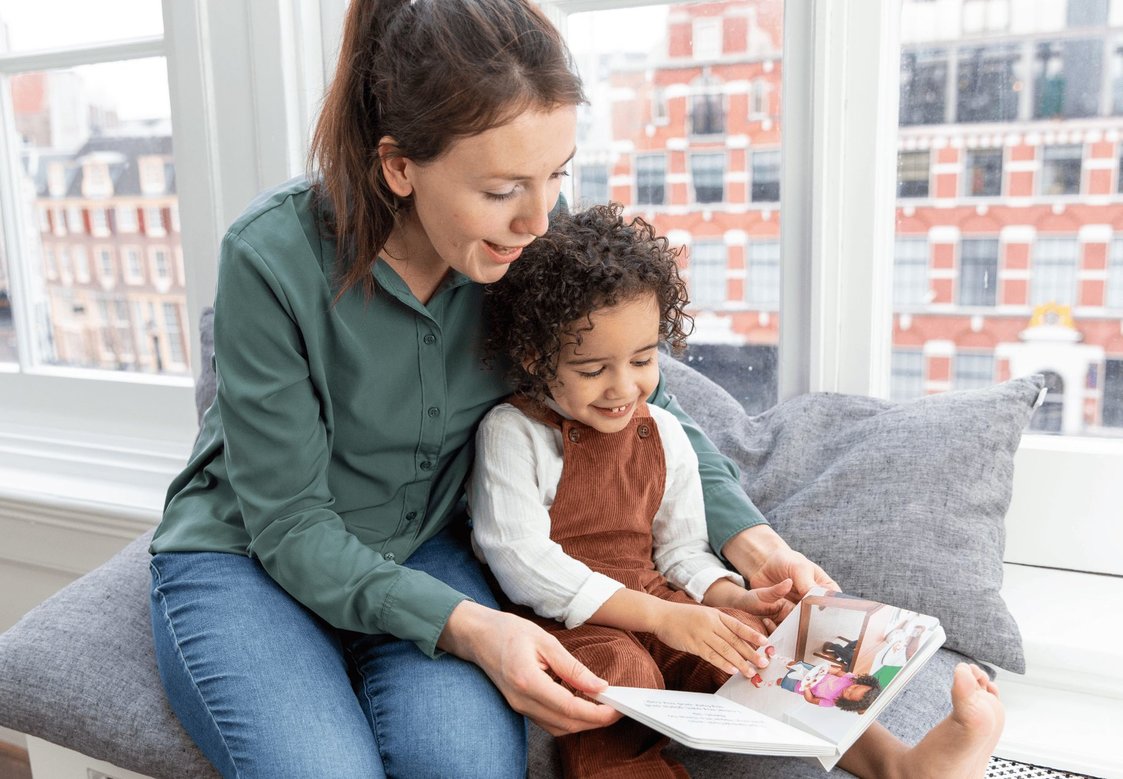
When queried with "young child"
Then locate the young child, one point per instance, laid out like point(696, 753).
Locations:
point(587, 504)
point(825, 685)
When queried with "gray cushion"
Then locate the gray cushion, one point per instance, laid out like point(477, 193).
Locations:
point(904, 503)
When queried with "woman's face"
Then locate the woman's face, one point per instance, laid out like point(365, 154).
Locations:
point(477, 205)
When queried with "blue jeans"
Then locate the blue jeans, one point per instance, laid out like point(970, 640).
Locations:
point(267, 689)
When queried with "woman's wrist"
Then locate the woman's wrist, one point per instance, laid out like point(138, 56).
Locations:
point(750, 549)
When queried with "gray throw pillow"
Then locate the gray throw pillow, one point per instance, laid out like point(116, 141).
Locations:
point(904, 503)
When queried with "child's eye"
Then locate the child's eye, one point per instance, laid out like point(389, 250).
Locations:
point(642, 363)
point(590, 374)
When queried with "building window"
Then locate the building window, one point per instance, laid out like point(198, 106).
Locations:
point(707, 38)
point(766, 176)
point(707, 172)
point(906, 374)
point(758, 99)
point(1114, 291)
point(708, 263)
point(105, 263)
point(1066, 78)
point(1054, 271)
point(592, 184)
point(707, 109)
point(988, 84)
point(910, 272)
point(50, 263)
point(924, 77)
point(57, 222)
point(75, 222)
point(174, 332)
point(99, 222)
point(659, 106)
point(978, 272)
point(134, 268)
point(1113, 393)
point(161, 268)
point(1117, 78)
point(1060, 169)
point(126, 219)
point(154, 221)
point(650, 179)
point(983, 173)
point(81, 264)
point(912, 174)
point(762, 289)
point(972, 371)
point(1086, 13)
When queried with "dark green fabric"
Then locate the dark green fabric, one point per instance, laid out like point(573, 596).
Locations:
point(341, 434)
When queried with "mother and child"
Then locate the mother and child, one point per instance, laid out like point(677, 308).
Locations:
point(317, 607)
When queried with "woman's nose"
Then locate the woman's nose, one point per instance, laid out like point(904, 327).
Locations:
point(534, 218)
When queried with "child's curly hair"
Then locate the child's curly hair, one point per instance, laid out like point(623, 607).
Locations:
point(586, 261)
point(866, 700)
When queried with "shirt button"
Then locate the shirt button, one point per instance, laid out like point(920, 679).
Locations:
point(426, 466)
point(574, 435)
point(644, 431)
point(434, 412)
point(389, 556)
point(411, 516)
point(430, 339)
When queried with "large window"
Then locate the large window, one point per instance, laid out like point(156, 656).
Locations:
point(989, 83)
point(1114, 291)
point(907, 374)
point(972, 370)
point(924, 77)
point(707, 108)
point(766, 176)
point(651, 177)
point(978, 272)
point(1055, 262)
point(1067, 76)
point(1060, 169)
point(912, 174)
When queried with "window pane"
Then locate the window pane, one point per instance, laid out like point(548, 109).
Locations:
point(1016, 266)
point(51, 24)
point(686, 107)
point(100, 180)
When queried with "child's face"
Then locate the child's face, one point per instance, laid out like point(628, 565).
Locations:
point(855, 692)
point(600, 382)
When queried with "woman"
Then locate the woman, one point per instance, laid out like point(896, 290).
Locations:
point(315, 607)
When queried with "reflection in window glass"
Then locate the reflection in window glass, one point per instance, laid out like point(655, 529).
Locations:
point(98, 168)
point(1054, 271)
point(684, 112)
point(983, 173)
point(1029, 279)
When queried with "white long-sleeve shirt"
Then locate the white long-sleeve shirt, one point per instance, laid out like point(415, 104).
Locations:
point(512, 487)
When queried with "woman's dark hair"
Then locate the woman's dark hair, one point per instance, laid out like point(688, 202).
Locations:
point(864, 702)
point(426, 73)
point(585, 261)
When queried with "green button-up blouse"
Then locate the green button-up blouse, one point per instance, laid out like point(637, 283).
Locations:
point(341, 435)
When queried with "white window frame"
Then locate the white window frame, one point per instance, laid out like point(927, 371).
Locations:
point(245, 80)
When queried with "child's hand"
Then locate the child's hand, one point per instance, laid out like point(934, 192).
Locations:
point(718, 638)
point(769, 603)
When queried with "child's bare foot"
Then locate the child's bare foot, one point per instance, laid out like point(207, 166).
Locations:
point(960, 746)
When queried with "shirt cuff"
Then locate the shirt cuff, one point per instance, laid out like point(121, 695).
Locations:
point(704, 579)
point(596, 589)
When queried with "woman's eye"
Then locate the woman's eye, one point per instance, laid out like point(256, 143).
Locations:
point(500, 195)
point(557, 174)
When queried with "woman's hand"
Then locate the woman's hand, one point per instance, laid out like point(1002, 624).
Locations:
point(764, 559)
point(517, 656)
point(718, 638)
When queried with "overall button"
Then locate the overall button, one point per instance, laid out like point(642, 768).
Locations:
point(389, 556)
point(434, 412)
point(430, 339)
point(574, 435)
point(411, 516)
point(644, 431)
point(426, 466)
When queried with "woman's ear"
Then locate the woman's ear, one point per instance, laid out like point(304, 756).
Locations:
point(395, 167)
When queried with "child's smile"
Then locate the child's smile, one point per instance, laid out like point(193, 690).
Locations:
point(601, 381)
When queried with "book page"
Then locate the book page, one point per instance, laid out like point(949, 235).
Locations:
point(838, 662)
point(708, 721)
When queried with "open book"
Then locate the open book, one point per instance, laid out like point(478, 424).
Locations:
point(839, 661)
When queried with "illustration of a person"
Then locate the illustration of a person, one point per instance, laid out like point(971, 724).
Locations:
point(828, 686)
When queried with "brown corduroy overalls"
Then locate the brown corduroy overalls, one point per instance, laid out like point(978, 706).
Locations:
point(610, 490)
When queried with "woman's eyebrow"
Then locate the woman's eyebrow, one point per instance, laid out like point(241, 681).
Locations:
point(522, 177)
